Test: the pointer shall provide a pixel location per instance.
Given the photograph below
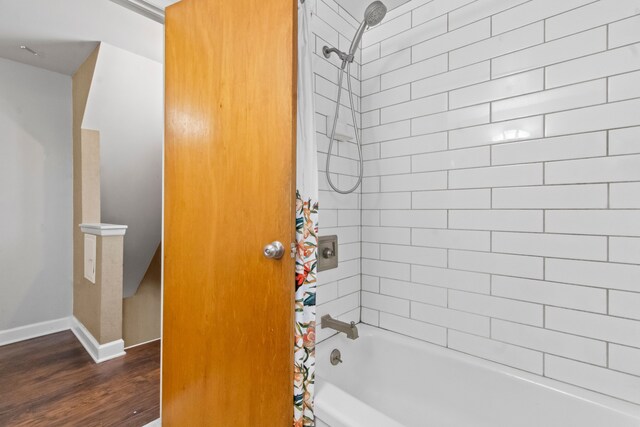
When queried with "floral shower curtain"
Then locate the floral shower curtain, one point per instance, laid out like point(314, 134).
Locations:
point(306, 229)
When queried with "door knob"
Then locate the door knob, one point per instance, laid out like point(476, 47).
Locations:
point(274, 250)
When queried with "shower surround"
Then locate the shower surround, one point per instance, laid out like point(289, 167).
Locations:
point(338, 290)
point(499, 214)
point(501, 204)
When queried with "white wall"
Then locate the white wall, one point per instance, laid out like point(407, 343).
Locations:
point(65, 32)
point(502, 217)
point(126, 106)
point(338, 291)
point(35, 195)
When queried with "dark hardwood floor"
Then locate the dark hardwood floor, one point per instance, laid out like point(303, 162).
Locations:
point(52, 381)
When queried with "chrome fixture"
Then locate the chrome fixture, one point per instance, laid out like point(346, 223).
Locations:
point(348, 328)
point(327, 51)
point(274, 250)
point(373, 15)
point(335, 357)
point(327, 252)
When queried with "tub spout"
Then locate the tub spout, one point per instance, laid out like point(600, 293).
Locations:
point(348, 328)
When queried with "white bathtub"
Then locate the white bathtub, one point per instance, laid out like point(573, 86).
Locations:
point(390, 380)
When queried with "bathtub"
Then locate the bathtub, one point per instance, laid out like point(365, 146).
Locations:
point(390, 380)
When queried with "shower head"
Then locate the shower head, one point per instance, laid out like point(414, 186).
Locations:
point(375, 13)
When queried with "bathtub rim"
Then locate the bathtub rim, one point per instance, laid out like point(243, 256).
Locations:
point(621, 406)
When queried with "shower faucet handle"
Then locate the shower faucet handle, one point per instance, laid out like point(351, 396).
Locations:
point(328, 253)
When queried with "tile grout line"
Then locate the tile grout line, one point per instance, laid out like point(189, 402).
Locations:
point(418, 200)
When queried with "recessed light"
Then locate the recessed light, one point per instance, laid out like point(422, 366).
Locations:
point(28, 49)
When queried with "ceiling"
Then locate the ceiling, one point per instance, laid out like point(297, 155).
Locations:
point(65, 32)
point(153, 9)
point(356, 7)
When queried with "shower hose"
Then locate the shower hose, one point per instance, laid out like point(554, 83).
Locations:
point(355, 128)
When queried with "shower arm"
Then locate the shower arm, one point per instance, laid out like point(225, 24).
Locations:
point(373, 15)
point(346, 58)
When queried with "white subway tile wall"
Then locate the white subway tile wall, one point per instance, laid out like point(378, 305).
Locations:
point(338, 291)
point(501, 209)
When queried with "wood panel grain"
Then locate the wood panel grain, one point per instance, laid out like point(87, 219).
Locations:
point(52, 381)
point(229, 190)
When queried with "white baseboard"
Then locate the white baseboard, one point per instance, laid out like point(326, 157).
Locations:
point(9, 336)
point(99, 352)
point(154, 423)
point(142, 343)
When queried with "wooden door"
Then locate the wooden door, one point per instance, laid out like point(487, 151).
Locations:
point(229, 189)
